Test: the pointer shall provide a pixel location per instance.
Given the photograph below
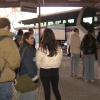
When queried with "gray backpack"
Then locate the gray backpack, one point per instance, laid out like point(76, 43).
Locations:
point(1, 38)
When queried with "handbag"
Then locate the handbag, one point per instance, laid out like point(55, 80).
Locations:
point(24, 82)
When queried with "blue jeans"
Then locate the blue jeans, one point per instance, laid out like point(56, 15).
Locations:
point(99, 64)
point(83, 71)
point(27, 95)
point(6, 91)
point(74, 62)
point(89, 67)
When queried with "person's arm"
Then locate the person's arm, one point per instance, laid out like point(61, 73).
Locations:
point(70, 39)
point(97, 45)
point(38, 58)
point(11, 54)
point(82, 45)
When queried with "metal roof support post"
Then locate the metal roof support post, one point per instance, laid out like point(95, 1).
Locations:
point(39, 18)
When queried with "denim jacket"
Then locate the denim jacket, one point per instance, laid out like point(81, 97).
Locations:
point(28, 63)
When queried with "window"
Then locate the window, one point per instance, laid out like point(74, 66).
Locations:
point(41, 24)
point(64, 21)
point(95, 18)
point(59, 21)
point(45, 23)
point(37, 24)
point(31, 24)
point(87, 19)
point(70, 20)
point(56, 22)
point(50, 23)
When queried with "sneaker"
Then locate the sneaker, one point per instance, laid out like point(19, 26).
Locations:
point(86, 81)
point(92, 80)
point(71, 75)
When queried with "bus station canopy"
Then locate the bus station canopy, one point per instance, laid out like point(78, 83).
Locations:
point(51, 3)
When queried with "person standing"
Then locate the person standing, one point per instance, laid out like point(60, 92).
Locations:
point(75, 52)
point(32, 31)
point(48, 59)
point(17, 40)
point(18, 37)
point(28, 64)
point(98, 51)
point(9, 59)
point(88, 46)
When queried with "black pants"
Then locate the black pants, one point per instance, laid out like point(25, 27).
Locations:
point(47, 76)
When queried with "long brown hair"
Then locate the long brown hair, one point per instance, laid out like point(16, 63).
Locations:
point(49, 42)
point(90, 33)
point(98, 37)
point(25, 36)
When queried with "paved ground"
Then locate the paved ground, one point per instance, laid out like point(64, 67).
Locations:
point(71, 88)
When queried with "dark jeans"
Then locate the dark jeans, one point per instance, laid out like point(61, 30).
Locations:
point(47, 76)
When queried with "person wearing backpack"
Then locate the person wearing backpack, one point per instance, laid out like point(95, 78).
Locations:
point(9, 59)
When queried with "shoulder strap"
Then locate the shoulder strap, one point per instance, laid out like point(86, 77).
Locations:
point(23, 52)
point(2, 37)
point(22, 57)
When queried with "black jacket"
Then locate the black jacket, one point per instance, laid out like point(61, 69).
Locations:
point(88, 45)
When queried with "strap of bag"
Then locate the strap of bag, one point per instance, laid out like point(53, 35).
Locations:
point(23, 52)
point(2, 37)
point(22, 57)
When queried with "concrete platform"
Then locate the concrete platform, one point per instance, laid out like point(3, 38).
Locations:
point(72, 88)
